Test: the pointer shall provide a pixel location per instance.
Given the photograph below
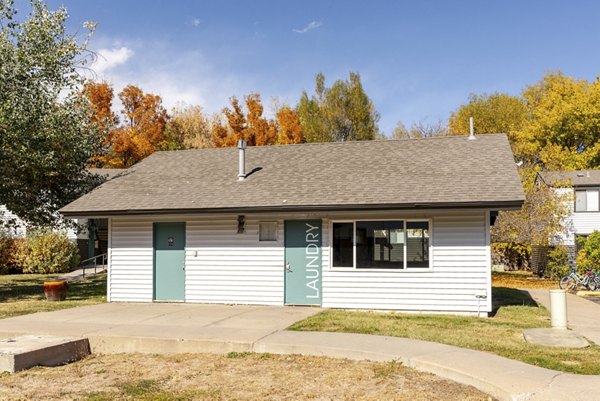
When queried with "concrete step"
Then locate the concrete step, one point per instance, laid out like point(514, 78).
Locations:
point(24, 352)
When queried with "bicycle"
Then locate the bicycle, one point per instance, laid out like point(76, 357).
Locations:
point(572, 281)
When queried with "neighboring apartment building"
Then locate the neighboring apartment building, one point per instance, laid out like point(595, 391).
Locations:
point(91, 240)
point(584, 188)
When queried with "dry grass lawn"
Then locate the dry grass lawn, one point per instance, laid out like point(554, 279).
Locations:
point(522, 279)
point(239, 376)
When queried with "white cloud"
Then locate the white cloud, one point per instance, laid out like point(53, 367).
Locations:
point(309, 27)
point(190, 77)
point(195, 22)
point(107, 59)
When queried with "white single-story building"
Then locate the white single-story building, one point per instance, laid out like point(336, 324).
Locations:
point(388, 225)
point(582, 189)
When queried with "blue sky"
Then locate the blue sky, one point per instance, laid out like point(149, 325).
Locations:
point(418, 60)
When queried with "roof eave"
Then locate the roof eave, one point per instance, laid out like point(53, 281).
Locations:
point(500, 205)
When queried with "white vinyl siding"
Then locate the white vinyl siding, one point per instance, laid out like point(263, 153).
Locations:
point(223, 266)
point(131, 255)
point(6, 216)
point(460, 268)
point(577, 223)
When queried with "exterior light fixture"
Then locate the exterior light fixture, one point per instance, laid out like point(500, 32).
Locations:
point(241, 224)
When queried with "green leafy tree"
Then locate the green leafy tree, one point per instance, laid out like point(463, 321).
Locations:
point(553, 125)
point(562, 131)
point(47, 137)
point(312, 119)
point(342, 112)
point(491, 114)
point(588, 256)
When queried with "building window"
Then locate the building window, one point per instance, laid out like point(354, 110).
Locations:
point(267, 231)
point(417, 244)
point(396, 244)
point(343, 244)
point(380, 244)
point(587, 200)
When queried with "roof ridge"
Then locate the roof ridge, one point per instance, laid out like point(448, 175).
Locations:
point(336, 143)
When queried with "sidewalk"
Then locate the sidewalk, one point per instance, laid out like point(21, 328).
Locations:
point(188, 328)
point(583, 315)
point(502, 378)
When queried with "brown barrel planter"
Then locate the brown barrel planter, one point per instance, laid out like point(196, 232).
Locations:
point(55, 290)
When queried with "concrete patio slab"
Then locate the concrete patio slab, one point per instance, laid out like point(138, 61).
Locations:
point(582, 314)
point(231, 327)
point(555, 338)
point(23, 352)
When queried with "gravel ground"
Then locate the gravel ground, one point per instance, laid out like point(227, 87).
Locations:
point(229, 377)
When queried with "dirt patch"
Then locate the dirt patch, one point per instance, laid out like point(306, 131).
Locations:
point(237, 376)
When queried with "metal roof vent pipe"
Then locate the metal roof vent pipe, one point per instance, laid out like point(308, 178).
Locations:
point(242, 159)
point(471, 129)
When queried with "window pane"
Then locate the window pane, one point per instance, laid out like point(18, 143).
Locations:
point(592, 200)
point(417, 242)
point(380, 244)
point(580, 201)
point(342, 245)
point(267, 231)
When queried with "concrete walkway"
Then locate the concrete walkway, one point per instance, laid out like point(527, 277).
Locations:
point(82, 274)
point(583, 315)
point(178, 328)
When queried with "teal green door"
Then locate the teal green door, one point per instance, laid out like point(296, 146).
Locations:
point(169, 261)
point(303, 262)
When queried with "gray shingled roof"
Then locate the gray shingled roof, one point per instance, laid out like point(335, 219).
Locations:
point(578, 178)
point(416, 173)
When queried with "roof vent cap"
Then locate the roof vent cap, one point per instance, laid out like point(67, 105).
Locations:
point(242, 159)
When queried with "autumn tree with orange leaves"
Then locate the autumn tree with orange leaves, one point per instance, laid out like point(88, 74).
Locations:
point(289, 127)
point(250, 125)
point(100, 96)
point(142, 130)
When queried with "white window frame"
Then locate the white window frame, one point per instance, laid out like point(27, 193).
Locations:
point(276, 232)
point(586, 190)
point(404, 269)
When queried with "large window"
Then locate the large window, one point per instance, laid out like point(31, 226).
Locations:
point(587, 200)
point(396, 244)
